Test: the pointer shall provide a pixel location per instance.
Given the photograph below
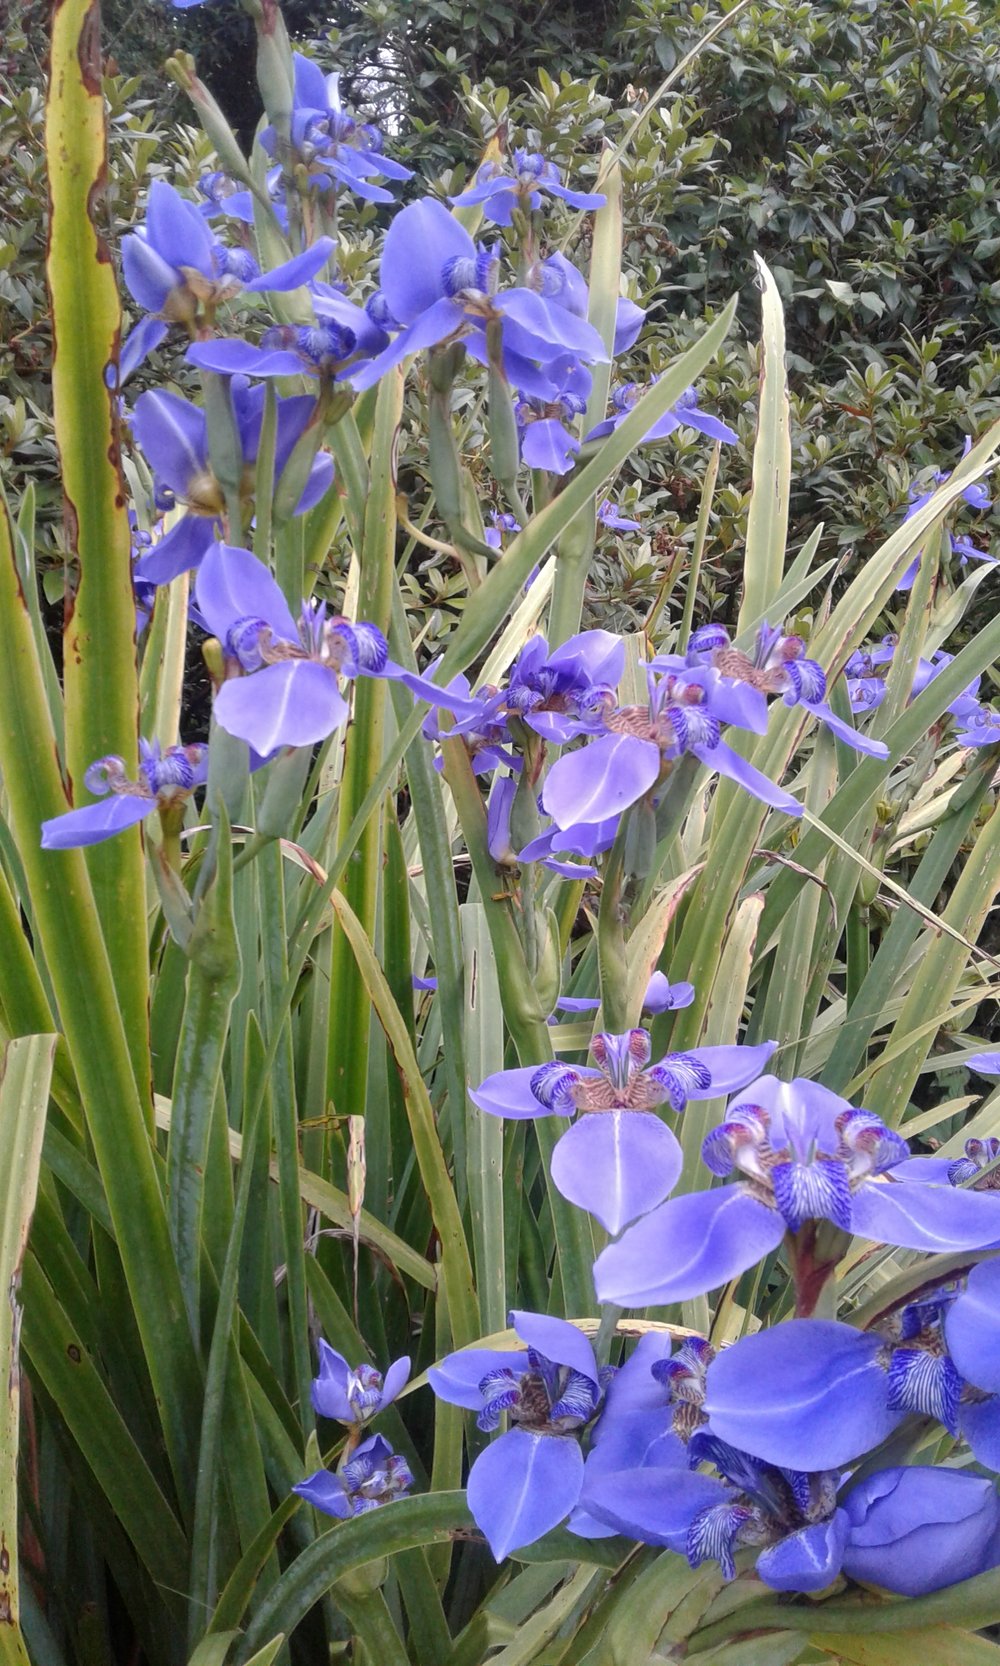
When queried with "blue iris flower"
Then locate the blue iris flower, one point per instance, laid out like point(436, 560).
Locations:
point(438, 284)
point(777, 666)
point(618, 1160)
point(373, 1475)
point(529, 1480)
point(802, 1154)
point(821, 1392)
point(334, 148)
point(635, 755)
point(174, 267)
point(685, 414)
point(167, 778)
point(501, 188)
point(341, 336)
point(794, 1515)
point(173, 434)
point(355, 1394)
point(976, 496)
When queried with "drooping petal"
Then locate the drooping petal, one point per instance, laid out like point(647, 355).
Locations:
point(317, 485)
point(548, 445)
point(139, 343)
point(230, 356)
point(292, 273)
point(808, 1394)
point(522, 1486)
point(601, 780)
point(731, 1068)
point(617, 1165)
point(326, 1492)
point(686, 1247)
point(95, 822)
point(576, 199)
point(540, 330)
point(972, 1327)
point(557, 1339)
point(232, 584)
point(458, 1377)
point(508, 1093)
point(924, 1217)
point(180, 549)
point(436, 324)
point(808, 1560)
point(725, 761)
point(654, 1505)
point(711, 426)
point(173, 435)
point(845, 731)
point(294, 703)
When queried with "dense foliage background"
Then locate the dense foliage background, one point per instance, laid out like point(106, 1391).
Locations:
point(855, 145)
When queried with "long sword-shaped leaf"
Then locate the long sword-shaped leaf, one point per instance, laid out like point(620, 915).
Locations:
point(99, 661)
point(767, 522)
point(24, 1093)
point(462, 1304)
point(69, 937)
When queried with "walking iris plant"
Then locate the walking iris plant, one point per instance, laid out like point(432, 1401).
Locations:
point(366, 1060)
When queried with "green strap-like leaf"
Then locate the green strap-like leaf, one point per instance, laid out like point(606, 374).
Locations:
point(24, 1093)
point(99, 659)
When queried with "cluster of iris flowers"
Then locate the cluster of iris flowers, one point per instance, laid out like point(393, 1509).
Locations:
point(768, 1448)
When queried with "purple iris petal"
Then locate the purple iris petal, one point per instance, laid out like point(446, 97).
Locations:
point(629, 320)
point(915, 1530)
point(498, 818)
point(617, 1165)
point(458, 1377)
point(548, 445)
point(95, 822)
point(148, 277)
point(601, 780)
point(845, 731)
point(731, 1068)
point(979, 1426)
point(663, 996)
point(440, 320)
point(626, 1441)
point(324, 1490)
point(544, 331)
point(318, 484)
point(293, 703)
point(421, 240)
point(987, 1064)
point(924, 1217)
point(180, 549)
point(726, 762)
point(396, 1379)
point(329, 1390)
point(230, 356)
point(140, 342)
point(175, 227)
point(508, 1093)
point(291, 274)
point(654, 1504)
point(808, 1394)
point(173, 435)
point(686, 1247)
point(808, 1560)
point(557, 1339)
point(522, 1486)
point(233, 585)
point(972, 1327)
point(633, 1388)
